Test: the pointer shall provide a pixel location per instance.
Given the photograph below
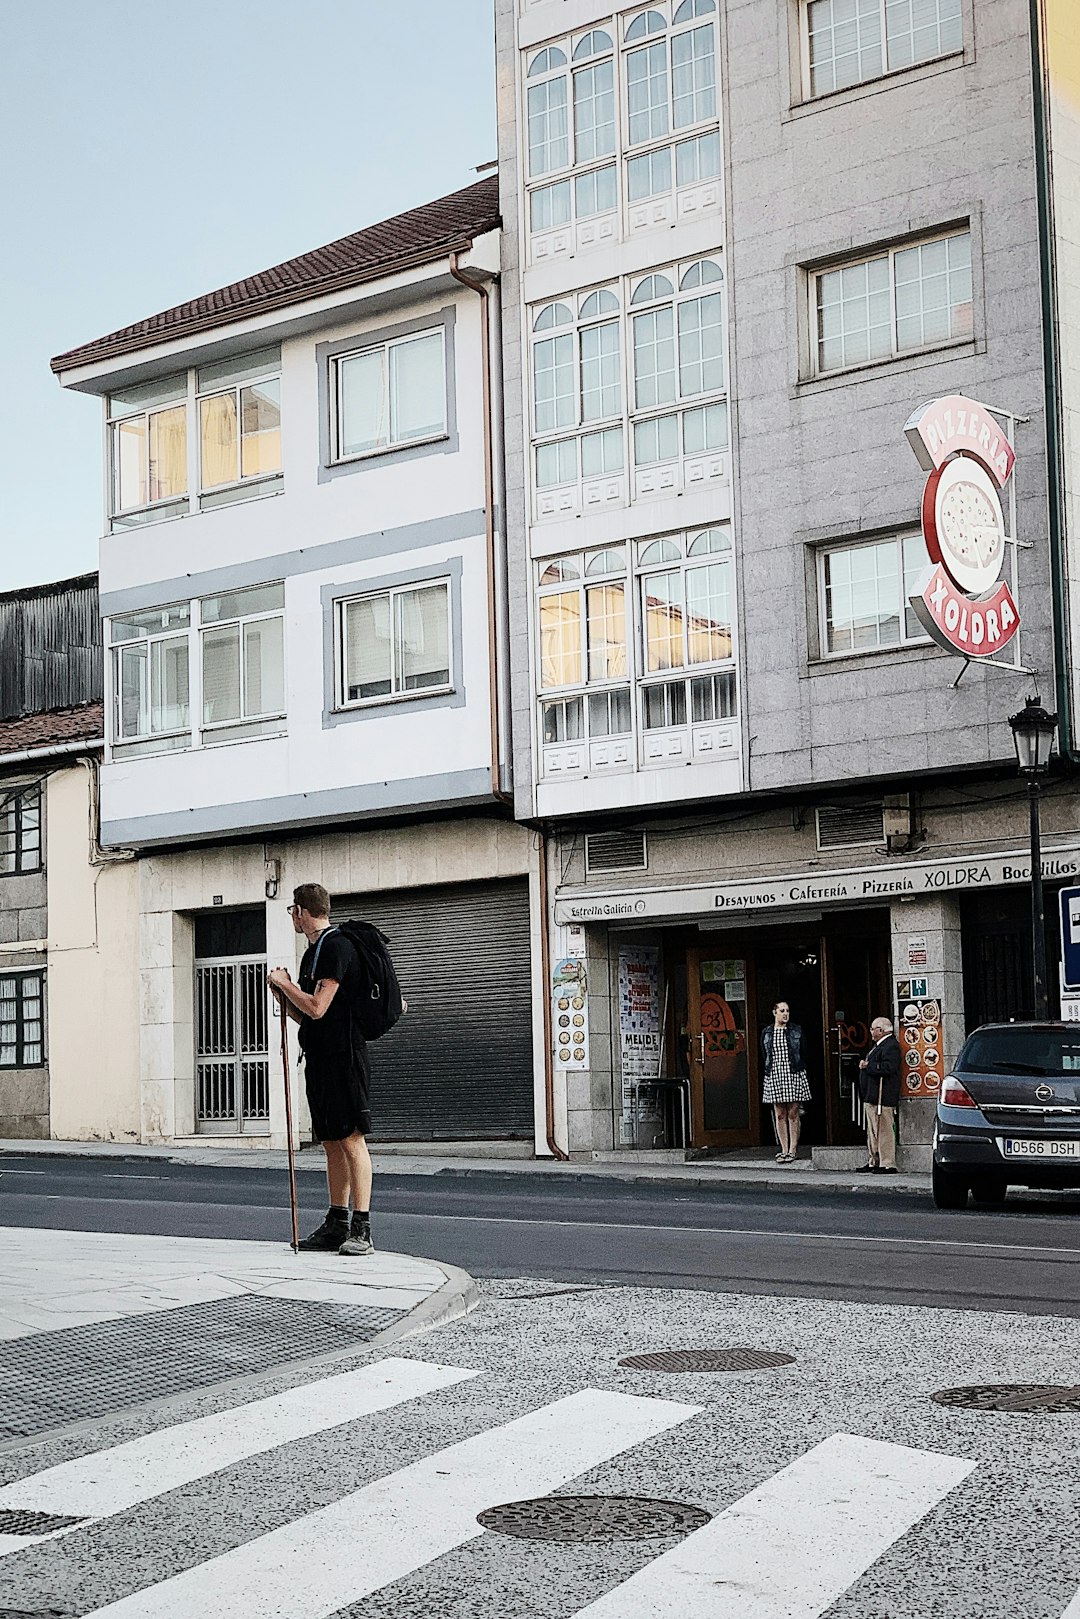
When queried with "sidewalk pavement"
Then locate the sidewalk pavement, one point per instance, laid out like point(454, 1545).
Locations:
point(92, 1277)
point(450, 1159)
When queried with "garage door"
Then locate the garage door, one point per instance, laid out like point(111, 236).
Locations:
point(459, 1063)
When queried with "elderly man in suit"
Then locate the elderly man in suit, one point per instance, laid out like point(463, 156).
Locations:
point(879, 1087)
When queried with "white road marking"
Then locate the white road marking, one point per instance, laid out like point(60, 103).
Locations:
point(790, 1548)
point(341, 1553)
point(1073, 1610)
point(746, 1231)
point(109, 1481)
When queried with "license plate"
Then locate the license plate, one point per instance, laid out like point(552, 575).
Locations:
point(1013, 1148)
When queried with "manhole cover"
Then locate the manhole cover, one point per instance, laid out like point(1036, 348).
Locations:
point(593, 1517)
point(708, 1360)
point(1012, 1397)
point(14, 1521)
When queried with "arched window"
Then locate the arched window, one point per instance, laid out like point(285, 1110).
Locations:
point(699, 275)
point(648, 22)
point(551, 316)
point(599, 303)
point(593, 44)
point(613, 560)
point(556, 572)
point(693, 8)
point(660, 551)
point(653, 287)
point(546, 60)
point(714, 542)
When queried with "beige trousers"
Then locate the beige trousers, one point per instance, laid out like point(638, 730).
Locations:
point(880, 1135)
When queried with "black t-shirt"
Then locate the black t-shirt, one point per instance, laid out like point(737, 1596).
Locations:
point(335, 1034)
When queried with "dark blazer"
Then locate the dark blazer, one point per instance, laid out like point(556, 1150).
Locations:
point(794, 1043)
point(883, 1063)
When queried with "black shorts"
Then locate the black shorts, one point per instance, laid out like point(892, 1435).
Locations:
point(338, 1099)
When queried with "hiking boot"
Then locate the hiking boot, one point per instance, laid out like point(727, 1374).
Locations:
point(327, 1238)
point(358, 1241)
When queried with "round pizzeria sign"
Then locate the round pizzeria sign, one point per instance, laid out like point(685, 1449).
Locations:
point(966, 606)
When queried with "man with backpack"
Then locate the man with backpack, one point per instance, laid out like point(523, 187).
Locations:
point(347, 993)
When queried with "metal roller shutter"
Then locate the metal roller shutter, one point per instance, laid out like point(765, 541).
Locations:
point(459, 1063)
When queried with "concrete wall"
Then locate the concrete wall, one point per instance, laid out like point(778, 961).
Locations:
point(175, 885)
point(826, 459)
point(24, 1092)
point(93, 981)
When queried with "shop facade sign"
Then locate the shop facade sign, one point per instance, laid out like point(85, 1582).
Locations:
point(860, 886)
point(966, 607)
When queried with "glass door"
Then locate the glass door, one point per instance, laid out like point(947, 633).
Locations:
point(857, 991)
point(724, 1101)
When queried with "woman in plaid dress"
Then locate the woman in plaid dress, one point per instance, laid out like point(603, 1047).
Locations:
point(786, 1086)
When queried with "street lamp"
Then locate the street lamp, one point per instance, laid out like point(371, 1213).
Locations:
point(1033, 734)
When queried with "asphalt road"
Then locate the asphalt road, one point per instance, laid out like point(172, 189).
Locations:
point(862, 1246)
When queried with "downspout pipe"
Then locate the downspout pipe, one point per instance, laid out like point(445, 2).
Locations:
point(483, 292)
point(549, 1033)
point(1055, 487)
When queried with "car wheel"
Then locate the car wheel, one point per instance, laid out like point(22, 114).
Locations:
point(950, 1192)
point(990, 1189)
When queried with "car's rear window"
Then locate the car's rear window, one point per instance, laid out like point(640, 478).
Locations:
point(1021, 1051)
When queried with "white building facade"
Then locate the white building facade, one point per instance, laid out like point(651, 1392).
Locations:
point(303, 593)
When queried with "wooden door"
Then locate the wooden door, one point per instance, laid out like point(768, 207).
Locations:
point(723, 1086)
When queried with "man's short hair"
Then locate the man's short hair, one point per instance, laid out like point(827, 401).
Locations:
point(883, 1023)
point(312, 898)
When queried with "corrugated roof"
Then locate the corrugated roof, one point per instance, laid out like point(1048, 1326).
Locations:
point(416, 237)
point(83, 724)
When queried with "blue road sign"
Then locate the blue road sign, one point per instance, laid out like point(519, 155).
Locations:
point(1070, 938)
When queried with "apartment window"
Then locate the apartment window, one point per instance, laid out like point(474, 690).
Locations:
point(390, 395)
point(863, 593)
point(895, 303)
point(148, 445)
point(239, 422)
point(584, 642)
point(243, 660)
point(687, 594)
point(20, 830)
point(22, 1020)
point(670, 74)
point(394, 644)
point(577, 363)
point(847, 42)
point(150, 674)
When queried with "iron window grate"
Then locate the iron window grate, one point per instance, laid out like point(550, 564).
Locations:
point(857, 822)
point(616, 851)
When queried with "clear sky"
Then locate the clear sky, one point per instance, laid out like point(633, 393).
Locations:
point(153, 152)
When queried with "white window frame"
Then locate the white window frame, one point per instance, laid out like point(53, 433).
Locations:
point(585, 686)
point(385, 347)
point(222, 730)
point(117, 648)
point(815, 277)
point(575, 329)
point(273, 374)
point(686, 672)
point(342, 700)
point(20, 978)
point(887, 69)
point(195, 498)
point(906, 638)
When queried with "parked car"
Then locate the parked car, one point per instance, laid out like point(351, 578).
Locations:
point(1009, 1113)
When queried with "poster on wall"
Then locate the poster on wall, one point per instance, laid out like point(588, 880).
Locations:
point(570, 1013)
point(639, 1034)
point(918, 1029)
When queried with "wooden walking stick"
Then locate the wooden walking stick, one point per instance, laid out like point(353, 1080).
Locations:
point(288, 1120)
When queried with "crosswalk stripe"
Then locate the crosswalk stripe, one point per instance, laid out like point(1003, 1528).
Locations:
point(1073, 1610)
point(789, 1549)
point(109, 1481)
point(337, 1555)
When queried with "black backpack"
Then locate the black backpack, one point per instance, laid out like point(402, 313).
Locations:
point(378, 1004)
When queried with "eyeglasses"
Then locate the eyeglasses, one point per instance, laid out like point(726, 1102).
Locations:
point(292, 909)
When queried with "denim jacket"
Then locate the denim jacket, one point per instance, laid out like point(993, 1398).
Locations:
point(794, 1041)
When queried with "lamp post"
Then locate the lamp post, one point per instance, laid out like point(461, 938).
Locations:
point(1033, 734)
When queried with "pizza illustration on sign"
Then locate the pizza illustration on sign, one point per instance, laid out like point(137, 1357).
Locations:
point(966, 607)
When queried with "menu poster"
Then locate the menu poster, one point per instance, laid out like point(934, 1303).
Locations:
point(639, 1032)
point(918, 1029)
point(570, 1013)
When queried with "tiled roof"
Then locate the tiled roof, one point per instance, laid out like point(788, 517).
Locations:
point(84, 724)
point(412, 238)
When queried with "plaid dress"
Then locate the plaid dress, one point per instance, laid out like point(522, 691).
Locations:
point(782, 1083)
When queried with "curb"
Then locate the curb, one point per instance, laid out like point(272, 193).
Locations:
point(802, 1181)
point(458, 1296)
